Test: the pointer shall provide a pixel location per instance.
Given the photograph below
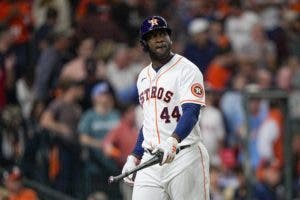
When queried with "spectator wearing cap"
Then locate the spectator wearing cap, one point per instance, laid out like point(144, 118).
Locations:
point(94, 125)
point(200, 49)
point(13, 181)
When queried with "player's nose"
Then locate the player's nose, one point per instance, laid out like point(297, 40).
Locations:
point(159, 39)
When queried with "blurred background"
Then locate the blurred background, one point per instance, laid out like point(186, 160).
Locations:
point(69, 113)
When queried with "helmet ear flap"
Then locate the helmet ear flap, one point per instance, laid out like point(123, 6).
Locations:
point(144, 45)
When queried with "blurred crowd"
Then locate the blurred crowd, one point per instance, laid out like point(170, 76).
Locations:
point(68, 100)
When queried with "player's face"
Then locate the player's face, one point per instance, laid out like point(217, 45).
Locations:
point(159, 44)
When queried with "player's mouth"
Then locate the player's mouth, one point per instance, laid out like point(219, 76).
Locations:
point(161, 47)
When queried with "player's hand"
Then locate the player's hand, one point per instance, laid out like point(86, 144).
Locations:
point(131, 163)
point(169, 148)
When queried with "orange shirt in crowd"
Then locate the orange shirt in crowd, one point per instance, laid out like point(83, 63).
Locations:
point(217, 76)
point(295, 6)
point(277, 116)
point(17, 15)
point(24, 194)
point(223, 7)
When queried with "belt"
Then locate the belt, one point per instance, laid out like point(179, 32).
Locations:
point(177, 150)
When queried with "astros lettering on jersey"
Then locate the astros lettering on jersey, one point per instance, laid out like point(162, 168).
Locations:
point(161, 95)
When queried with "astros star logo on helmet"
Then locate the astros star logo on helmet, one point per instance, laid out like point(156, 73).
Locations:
point(153, 22)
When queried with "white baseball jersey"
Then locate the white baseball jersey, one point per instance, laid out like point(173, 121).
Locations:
point(161, 95)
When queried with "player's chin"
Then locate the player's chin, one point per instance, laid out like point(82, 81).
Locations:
point(161, 52)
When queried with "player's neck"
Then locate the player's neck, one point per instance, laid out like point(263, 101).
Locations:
point(158, 63)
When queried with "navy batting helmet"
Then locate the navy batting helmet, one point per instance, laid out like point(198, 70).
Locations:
point(153, 23)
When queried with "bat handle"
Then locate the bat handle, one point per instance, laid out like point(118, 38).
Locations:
point(154, 160)
point(111, 180)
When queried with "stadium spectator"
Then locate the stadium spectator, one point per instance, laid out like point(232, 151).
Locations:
point(215, 189)
point(293, 37)
point(242, 191)
point(121, 139)
point(76, 68)
point(94, 125)
point(218, 36)
point(119, 142)
point(13, 181)
point(258, 48)
point(13, 135)
point(219, 71)
point(127, 15)
point(40, 8)
point(232, 108)
point(82, 9)
point(284, 78)
point(270, 136)
point(270, 15)
point(98, 25)
point(200, 49)
point(7, 68)
point(16, 15)
point(213, 129)
point(122, 72)
point(41, 35)
point(269, 179)
point(36, 147)
point(24, 93)
point(238, 25)
point(49, 65)
point(258, 111)
point(61, 118)
point(263, 79)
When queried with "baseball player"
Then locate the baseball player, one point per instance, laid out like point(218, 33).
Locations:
point(171, 93)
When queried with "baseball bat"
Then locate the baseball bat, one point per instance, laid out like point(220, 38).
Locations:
point(152, 161)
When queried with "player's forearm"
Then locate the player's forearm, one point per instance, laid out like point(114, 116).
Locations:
point(187, 121)
point(138, 149)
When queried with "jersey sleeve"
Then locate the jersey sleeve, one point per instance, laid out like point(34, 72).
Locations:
point(191, 88)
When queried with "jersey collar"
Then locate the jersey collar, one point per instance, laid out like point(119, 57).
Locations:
point(173, 60)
